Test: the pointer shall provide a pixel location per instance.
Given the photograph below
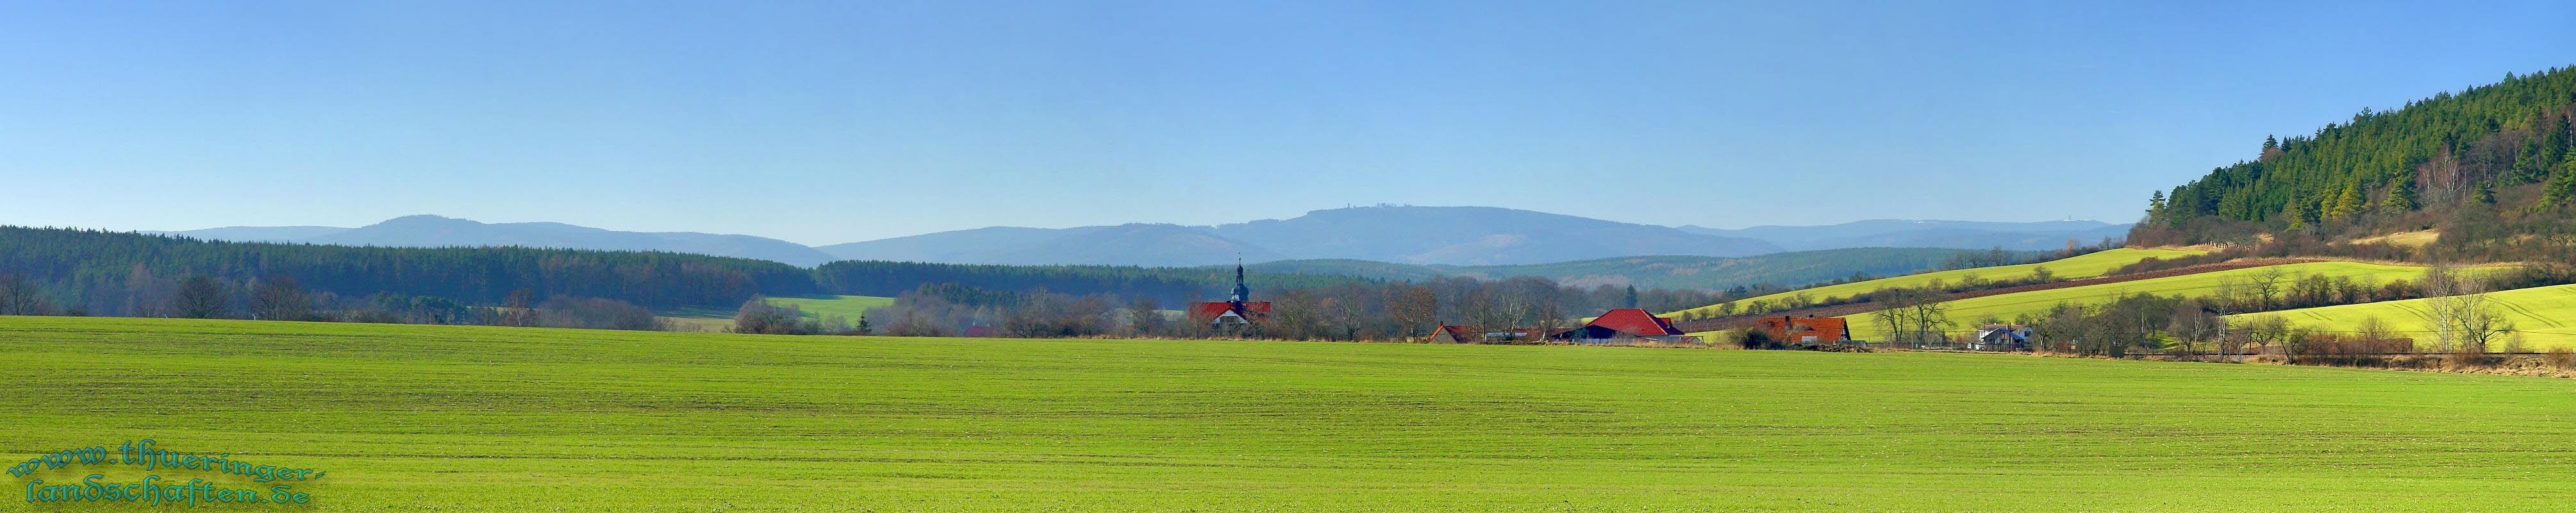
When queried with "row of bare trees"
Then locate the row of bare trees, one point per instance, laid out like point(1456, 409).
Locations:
point(1341, 311)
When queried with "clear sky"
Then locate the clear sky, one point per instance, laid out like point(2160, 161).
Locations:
point(843, 121)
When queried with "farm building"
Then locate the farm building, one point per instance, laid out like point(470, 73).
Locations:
point(1449, 334)
point(2001, 337)
point(1624, 324)
point(1807, 329)
point(1237, 310)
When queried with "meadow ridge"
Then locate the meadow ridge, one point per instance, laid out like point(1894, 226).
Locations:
point(2007, 307)
point(467, 418)
point(2542, 315)
point(2087, 265)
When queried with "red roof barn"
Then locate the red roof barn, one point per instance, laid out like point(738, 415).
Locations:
point(1622, 323)
point(1807, 329)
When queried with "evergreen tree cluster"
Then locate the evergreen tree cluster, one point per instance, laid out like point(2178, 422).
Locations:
point(2382, 167)
point(57, 270)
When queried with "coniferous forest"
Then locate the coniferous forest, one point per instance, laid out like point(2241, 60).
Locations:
point(89, 272)
point(2490, 167)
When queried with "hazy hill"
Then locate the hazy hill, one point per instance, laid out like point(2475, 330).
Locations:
point(1475, 236)
point(1415, 235)
point(1152, 245)
point(256, 233)
point(1676, 272)
point(434, 231)
point(2044, 235)
point(958, 246)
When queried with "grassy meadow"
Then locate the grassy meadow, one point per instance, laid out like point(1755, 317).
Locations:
point(2542, 315)
point(1965, 313)
point(467, 419)
point(2080, 266)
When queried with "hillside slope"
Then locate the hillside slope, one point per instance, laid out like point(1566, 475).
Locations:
point(2544, 316)
point(2080, 266)
point(1964, 314)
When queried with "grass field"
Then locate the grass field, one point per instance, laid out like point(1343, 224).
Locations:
point(464, 419)
point(2080, 266)
point(712, 320)
point(2545, 316)
point(1964, 313)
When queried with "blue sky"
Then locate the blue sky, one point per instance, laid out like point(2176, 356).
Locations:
point(843, 121)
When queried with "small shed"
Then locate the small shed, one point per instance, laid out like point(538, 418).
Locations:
point(2001, 337)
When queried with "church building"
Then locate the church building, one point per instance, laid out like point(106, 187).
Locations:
point(1237, 310)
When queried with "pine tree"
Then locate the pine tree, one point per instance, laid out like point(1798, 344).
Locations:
point(2348, 203)
point(2562, 185)
point(2401, 196)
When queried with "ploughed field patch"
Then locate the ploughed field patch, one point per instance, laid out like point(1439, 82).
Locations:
point(464, 418)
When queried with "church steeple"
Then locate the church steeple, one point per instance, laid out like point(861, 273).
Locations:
point(1242, 292)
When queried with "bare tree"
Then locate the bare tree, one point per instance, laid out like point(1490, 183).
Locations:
point(2194, 324)
point(2464, 319)
point(1912, 316)
point(278, 298)
point(1143, 319)
point(2265, 331)
point(18, 296)
point(2266, 288)
point(200, 297)
point(1413, 307)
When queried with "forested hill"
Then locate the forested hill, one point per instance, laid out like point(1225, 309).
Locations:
point(110, 273)
point(113, 273)
point(2486, 158)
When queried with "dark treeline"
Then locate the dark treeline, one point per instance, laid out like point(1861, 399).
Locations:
point(88, 272)
point(127, 274)
point(1170, 285)
point(2490, 167)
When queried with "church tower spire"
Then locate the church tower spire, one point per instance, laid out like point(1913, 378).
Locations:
point(1242, 292)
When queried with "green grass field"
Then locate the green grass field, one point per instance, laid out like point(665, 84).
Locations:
point(2545, 316)
point(1964, 313)
point(2080, 266)
point(465, 419)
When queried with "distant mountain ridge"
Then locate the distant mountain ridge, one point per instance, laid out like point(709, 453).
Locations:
point(1399, 234)
point(2029, 236)
point(1407, 235)
point(1669, 272)
point(436, 231)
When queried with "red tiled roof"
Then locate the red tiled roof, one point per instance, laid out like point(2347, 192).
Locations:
point(1636, 321)
point(1825, 328)
point(1210, 310)
point(1461, 333)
